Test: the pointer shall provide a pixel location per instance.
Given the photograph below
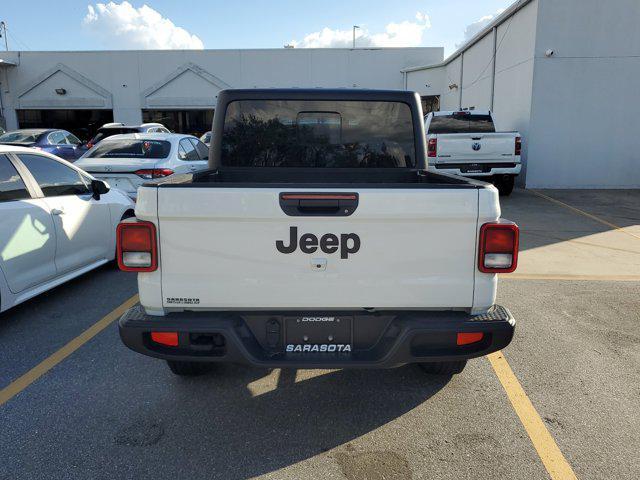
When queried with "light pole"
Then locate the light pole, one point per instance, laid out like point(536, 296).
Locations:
point(3, 31)
point(354, 35)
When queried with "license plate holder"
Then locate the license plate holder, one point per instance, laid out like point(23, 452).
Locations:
point(319, 334)
point(473, 168)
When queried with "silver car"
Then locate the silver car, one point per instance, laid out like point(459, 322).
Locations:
point(127, 161)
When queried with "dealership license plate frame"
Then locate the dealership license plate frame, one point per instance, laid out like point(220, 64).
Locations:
point(318, 329)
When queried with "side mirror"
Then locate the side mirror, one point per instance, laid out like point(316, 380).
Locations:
point(98, 187)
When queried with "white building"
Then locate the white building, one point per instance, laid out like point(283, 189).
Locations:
point(79, 90)
point(565, 73)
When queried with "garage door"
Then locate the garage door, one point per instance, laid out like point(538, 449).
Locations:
point(194, 122)
point(82, 123)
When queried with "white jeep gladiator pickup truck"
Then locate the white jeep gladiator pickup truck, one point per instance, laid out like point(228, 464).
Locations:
point(317, 239)
point(466, 143)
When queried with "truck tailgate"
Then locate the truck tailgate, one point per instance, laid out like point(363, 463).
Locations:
point(475, 147)
point(218, 250)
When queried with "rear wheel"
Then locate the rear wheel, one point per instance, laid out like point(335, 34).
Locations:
point(444, 368)
point(188, 369)
point(128, 214)
point(505, 185)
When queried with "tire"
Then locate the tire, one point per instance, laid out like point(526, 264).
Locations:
point(128, 214)
point(444, 368)
point(505, 185)
point(188, 369)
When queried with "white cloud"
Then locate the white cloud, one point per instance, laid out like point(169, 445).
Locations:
point(403, 34)
point(473, 28)
point(120, 25)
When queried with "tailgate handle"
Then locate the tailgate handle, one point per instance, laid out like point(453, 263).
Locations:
point(339, 204)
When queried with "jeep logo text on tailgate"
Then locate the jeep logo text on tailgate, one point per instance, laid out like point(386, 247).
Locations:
point(347, 243)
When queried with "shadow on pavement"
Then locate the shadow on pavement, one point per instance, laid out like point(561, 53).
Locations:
point(220, 426)
point(543, 222)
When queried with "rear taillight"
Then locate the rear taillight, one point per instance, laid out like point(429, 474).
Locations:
point(154, 173)
point(432, 147)
point(136, 247)
point(467, 338)
point(498, 252)
point(170, 339)
point(518, 146)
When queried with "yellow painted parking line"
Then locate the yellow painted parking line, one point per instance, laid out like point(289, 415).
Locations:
point(590, 278)
point(54, 359)
point(583, 213)
point(548, 451)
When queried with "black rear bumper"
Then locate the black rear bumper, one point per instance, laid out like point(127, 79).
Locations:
point(380, 340)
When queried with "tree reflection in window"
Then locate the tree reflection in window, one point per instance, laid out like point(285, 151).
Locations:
point(270, 133)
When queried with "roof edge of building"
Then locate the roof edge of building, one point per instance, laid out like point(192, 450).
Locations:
point(220, 50)
point(500, 19)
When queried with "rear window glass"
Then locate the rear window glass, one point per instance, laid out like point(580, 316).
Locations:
point(108, 132)
point(461, 123)
point(318, 133)
point(132, 149)
point(21, 136)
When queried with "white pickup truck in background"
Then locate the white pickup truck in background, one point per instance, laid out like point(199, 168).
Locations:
point(317, 239)
point(466, 143)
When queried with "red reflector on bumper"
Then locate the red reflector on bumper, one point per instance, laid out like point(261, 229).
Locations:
point(469, 337)
point(169, 339)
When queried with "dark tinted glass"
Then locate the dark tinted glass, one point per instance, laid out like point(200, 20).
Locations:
point(108, 132)
point(71, 139)
point(461, 123)
point(187, 151)
point(21, 136)
point(201, 148)
point(54, 178)
point(314, 133)
point(131, 148)
point(11, 185)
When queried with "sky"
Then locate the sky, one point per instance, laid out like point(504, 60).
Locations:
point(197, 24)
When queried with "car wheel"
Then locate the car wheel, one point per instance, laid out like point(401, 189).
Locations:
point(444, 368)
point(128, 214)
point(505, 185)
point(188, 369)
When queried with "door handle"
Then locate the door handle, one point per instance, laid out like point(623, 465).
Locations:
point(318, 204)
point(57, 211)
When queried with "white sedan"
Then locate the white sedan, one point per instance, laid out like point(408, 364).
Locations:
point(130, 160)
point(56, 223)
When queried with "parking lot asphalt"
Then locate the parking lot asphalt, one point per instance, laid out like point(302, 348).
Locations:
point(106, 412)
